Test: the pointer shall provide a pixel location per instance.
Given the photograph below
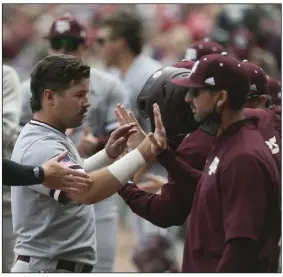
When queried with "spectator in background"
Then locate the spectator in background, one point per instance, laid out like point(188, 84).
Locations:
point(11, 117)
point(120, 39)
point(68, 36)
point(201, 48)
point(243, 46)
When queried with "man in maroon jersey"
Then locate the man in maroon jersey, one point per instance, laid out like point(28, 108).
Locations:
point(150, 206)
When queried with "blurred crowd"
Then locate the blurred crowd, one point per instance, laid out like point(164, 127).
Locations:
point(249, 31)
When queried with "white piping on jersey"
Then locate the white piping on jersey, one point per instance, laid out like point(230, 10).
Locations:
point(57, 194)
point(47, 126)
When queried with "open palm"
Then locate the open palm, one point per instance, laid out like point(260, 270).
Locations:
point(125, 117)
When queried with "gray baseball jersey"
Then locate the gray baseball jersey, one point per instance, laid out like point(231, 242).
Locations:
point(46, 223)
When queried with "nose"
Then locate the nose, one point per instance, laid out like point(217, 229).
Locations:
point(86, 104)
point(188, 98)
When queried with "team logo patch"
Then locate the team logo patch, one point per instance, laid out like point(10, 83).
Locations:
point(67, 162)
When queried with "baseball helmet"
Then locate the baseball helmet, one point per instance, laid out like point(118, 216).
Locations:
point(176, 114)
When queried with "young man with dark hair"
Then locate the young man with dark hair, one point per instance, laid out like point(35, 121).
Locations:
point(54, 232)
point(68, 36)
point(234, 202)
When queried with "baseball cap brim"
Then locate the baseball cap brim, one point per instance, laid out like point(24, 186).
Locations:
point(187, 82)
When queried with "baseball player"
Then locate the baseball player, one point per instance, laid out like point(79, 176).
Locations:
point(120, 39)
point(56, 230)
point(68, 36)
point(174, 205)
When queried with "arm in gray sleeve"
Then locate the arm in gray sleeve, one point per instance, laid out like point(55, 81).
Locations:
point(37, 154)
point(11, 105)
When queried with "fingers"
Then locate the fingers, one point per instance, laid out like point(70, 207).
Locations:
point(157, 117)
point(122, 131)
point(61, 156)
point(124, 113)
point(119, 117)
point(132, 117)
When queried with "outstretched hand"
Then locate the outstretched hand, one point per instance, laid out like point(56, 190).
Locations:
point(158, 138)
point(118, 140)
point(126, 117)
point(59, 177)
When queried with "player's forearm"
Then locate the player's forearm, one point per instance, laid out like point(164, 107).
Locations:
point(15, 174)
point(108, 180)
point(170, 208)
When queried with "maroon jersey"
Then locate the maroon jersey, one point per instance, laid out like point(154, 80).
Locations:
point(231, 199)
point(269, 125)
point(173, 206)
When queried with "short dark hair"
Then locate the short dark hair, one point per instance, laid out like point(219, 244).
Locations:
point(55, 72)
point(127, 26)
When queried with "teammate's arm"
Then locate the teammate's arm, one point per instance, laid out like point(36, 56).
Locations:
point(51, 174)
point(109, 180)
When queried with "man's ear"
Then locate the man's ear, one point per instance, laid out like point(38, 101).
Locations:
point(262, 101)
point(48, 97)
point(222, 99)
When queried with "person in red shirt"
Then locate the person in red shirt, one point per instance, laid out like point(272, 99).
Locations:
point(218, 255)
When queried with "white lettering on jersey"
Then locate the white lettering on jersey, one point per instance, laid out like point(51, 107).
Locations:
point(213, 166)
point(272, 145)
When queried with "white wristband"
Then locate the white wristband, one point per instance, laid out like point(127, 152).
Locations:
point(125, 168)
point(97, 161)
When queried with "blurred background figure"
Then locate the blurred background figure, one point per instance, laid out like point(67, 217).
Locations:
point(102, 35)
point(11, 118)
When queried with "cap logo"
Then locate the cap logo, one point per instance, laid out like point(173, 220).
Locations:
point(62, 26)
point(253, 87)
point(195, 67)
point(210, 81)
point(191, 54)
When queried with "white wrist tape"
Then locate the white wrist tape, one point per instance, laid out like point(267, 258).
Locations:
point(125, 168)
point(97, 161)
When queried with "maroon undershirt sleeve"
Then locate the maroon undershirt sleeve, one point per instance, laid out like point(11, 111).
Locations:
point(173, 205)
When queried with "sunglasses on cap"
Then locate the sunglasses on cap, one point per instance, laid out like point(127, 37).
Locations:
point(68, 44)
